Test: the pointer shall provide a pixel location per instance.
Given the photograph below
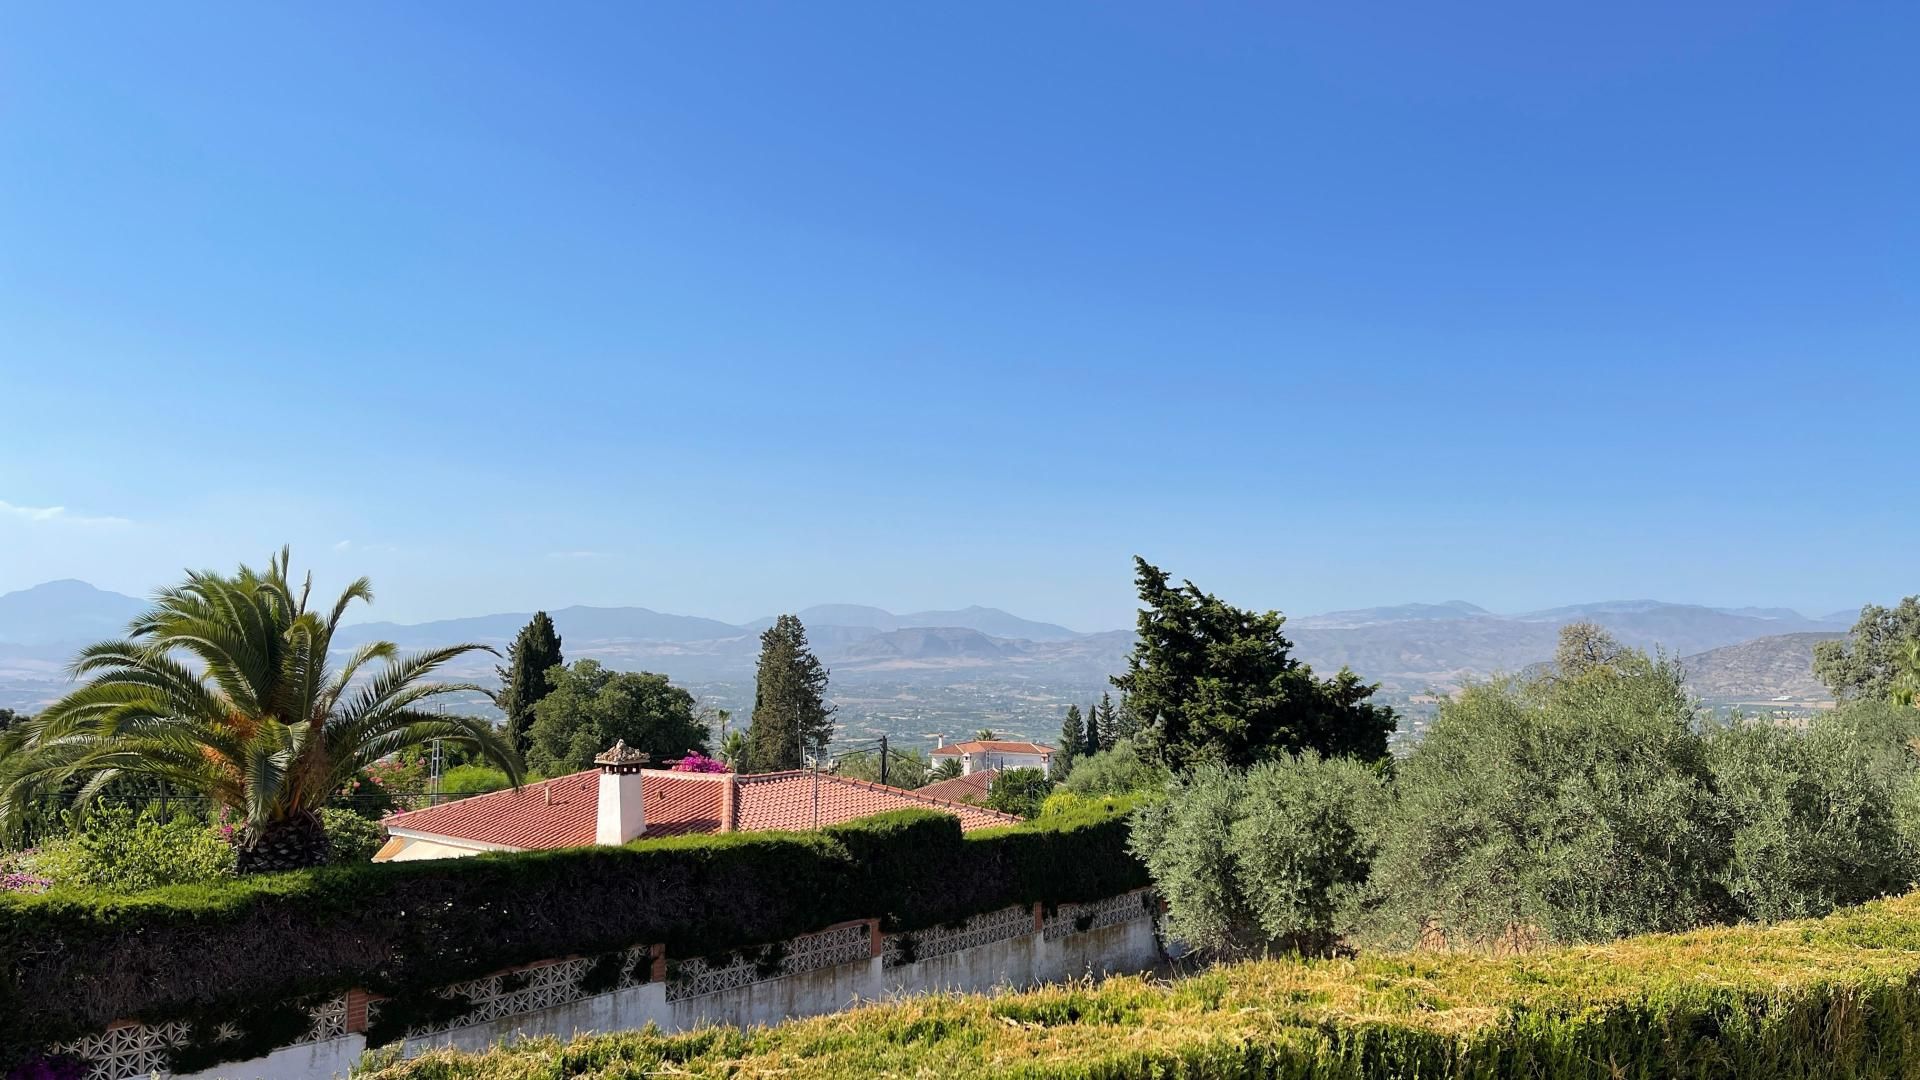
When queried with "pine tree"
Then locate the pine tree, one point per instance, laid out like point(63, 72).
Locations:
point(1212, 683)
point(791, 718)
point(523, 679)
point(1106, 723)
point(1073, 737)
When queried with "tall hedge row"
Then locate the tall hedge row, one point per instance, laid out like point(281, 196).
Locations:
point(72, 962)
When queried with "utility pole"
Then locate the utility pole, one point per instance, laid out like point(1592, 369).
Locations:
point(883, 759)
point(433, 768)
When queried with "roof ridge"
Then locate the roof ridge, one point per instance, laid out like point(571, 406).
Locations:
point(935, 799)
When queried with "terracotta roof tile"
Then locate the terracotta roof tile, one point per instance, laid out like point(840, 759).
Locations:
point(785, 800)
point(560, 812)
point(994, 746)
point(969, 788)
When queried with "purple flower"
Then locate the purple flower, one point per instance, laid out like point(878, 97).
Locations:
point(20, 881)
point(42, 1067)
point(699, 763)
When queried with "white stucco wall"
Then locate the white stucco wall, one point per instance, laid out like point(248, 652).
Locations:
point(307, 1061)
point(1020, 961)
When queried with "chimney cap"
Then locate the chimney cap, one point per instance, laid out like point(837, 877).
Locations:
point(621, 758)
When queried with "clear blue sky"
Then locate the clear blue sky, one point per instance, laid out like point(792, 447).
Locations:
point(726, 309)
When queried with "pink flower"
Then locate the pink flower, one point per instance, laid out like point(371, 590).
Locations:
point(698, 762)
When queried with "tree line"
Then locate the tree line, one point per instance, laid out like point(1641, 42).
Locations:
point(1585, 802)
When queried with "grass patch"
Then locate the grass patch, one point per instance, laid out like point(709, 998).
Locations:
point(1835, 997)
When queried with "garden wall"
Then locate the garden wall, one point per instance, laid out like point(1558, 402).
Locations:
point(808, 975)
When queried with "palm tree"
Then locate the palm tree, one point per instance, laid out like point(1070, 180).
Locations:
point(223, 688)
point(733, 749)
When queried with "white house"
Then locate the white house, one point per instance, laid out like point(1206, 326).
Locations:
point(975, 755)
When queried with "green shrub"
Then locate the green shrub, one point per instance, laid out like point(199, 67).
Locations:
point(1018, 792)
point(1117, 770)
point(115, 849)
point(1064, 803)
point(199, 951)
point(1576, 807)
point(1836, 999)
point(1814, 815)
point(473, 780)
point(350, 837)
point(1270, 857)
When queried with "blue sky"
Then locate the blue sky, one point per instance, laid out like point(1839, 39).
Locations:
point(727, 309)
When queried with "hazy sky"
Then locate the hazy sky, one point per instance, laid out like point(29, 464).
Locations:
point(726, 309)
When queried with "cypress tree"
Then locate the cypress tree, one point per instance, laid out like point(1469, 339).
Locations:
point(1103, 724)
point(791, 717)
point(1073, 736)
point(523, 680)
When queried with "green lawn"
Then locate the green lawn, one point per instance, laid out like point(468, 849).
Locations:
point(1836, 997)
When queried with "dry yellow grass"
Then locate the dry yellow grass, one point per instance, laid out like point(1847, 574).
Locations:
point(1837, 997)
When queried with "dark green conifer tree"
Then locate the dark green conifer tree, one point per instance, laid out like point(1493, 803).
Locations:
point(1073, 739)
point(1103, 724)
point(1213, 683)
point(791, 718)
point(524, 678)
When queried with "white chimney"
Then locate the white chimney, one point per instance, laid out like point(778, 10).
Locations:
point(622, 814)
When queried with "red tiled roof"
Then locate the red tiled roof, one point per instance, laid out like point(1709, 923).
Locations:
point(969, 788)
point(994, 746)
point(560, 812)
point(785, 800)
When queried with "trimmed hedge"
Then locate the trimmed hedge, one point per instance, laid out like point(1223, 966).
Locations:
point(72, 962)
point(1828, 999)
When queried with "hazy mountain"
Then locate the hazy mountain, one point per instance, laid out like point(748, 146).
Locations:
point(1407, 647)
point(1759, 671)
point(1680, 629)
point(840, 615)
point(575, 624)
point(990, 621)
point(1768, 613)
point(928, 643)
point(63, 612)
point(1449, 611)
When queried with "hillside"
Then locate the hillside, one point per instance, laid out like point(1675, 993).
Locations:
point(62, 611)
point(1763, 670)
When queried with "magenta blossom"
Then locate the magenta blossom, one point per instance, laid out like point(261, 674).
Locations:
point(17, 881)
point(698, 762)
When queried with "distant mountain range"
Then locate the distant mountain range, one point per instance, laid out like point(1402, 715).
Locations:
point(1410, 648)
point(63, 612)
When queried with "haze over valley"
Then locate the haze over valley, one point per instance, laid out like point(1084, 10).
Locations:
point(921, 674)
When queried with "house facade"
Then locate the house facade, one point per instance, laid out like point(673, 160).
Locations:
point(620, 799)
point(979, 755)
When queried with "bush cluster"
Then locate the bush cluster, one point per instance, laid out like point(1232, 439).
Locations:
point(1833, 999)
point(72, 961)
point(1584, 804)
point(120, 850)
point(1269, 856)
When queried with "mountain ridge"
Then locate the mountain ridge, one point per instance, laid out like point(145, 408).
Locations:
point(1409, 648)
